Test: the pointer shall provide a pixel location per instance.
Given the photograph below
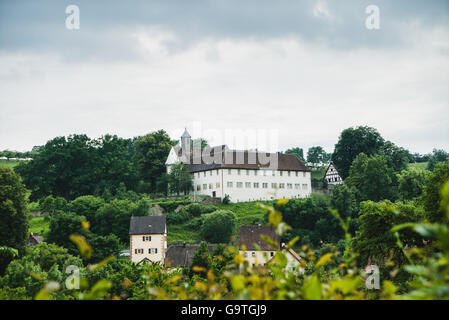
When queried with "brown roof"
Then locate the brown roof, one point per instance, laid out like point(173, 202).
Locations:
point(294, 254)
point(222, 157)
point(35, 238)
point(181, 255)
point(250, 236)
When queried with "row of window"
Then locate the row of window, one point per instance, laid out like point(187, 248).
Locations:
point(253, 254)
point(150, 251)
point(256, 172)
point(254, 185)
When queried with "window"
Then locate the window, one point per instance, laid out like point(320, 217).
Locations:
point(304, 174)
point(245, 254)
point(289, 186)
point(265, 185)
point(247, 172)
point(289, 173)
point(204, 186)
point(253, 254)
point(217, 185)
point(198, 188)
point(274, 185)
point(256, 185)
point(210, 172)
point(229, 171)
point(146, 238)
point(273, 173)
point(281, 173)
point(297, 185)
point(217, 172)
point(264, 173)
point(152, 250)
point(271, 254)
point(138, 251)
point(238, 171)
point(229, 184)
point(296, 173)
point(198, 174)
point(204, 173)
point(255, 172)
point(304, 186)
point(239, 184)
point(247, 184)
point(281, 185)
point(210, 185)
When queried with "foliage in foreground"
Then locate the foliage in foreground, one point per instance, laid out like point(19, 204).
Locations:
point(332, 275)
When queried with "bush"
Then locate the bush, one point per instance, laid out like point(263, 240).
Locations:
point(195, 224)
point(195, 209)
point(226, 199)
point(170, 206)
point(218, 226)
point(178, 217)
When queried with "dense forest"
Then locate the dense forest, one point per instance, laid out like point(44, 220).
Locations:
point(388, 213)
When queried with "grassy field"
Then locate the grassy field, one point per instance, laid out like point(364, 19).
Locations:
point(9, 163)
point(418, 165)
point(39, 225)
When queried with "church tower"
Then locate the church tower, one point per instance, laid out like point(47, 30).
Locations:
point(185, 142)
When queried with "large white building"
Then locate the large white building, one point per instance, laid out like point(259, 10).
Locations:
point(242, 175)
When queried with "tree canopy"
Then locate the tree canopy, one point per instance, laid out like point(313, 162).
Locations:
point(351, 143)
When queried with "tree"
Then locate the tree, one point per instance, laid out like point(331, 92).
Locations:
point(436, 157)
point(351, 143)
point(372, 177)
point(344, 200)
point(201, 256)
point(65, 167)
point(62, 225)
point(298, 152)
point(218, 226)
point(375, 241)
point(76, 165)
point(200, 142)
point(180, 179)
point(151, 152)
point(431, 196)
point(13, 215)
point(50, 204)
point(397, 158)
point(115, 163)
point(317, 155)
point(48, 254)
point(114, 217)
point(411, 183)
point(86, 206)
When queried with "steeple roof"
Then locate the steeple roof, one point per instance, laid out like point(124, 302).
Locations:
point(185, 134)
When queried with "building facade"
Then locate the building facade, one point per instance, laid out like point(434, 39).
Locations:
point(332, 177)
point(241, 174)
point(148, 239)
point(253, 248)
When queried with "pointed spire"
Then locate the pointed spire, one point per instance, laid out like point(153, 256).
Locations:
point(185, 134)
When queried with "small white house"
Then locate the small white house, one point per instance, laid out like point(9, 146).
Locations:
point(332, 177)
point(148, 239)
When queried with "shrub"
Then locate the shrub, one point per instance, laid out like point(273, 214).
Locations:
point(178, 217)
point(218, 226)
point(195, 209)
point(226, 199)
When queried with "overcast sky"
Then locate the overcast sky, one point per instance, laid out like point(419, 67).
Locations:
point(304, 69)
